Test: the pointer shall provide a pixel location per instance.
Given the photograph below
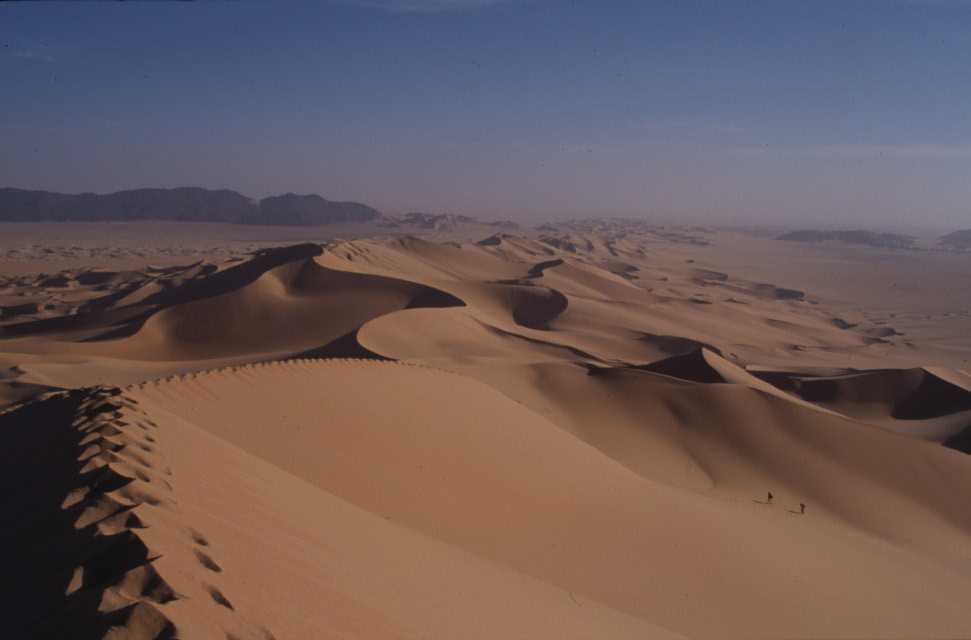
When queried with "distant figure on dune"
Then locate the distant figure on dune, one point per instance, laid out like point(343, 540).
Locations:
point(769, 500)
point(802, 508)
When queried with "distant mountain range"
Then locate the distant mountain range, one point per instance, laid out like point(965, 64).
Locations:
point(439, 222)
point(188, 204)
point(868, 238)
point(957, 240)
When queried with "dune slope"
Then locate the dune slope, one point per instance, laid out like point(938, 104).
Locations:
point(161, 530)
point(460, 471)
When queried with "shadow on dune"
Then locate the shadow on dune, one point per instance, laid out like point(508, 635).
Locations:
point(530, 305)
point(55, 574)
point(295, 307)
point(960, 442)
point(902, 394)
point(540, 310)
point(280, 300)
point(915, 400)
point(931, 398)
point(674, 345)
point(347, 346)
point(691, 366)
point(38, 468)
point(536, 271)
point(100, 314)
point(579, 353)
point(235, 277)
point(430, 298)
point(78, 322)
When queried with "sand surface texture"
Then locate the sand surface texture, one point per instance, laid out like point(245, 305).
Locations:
point(568, 434)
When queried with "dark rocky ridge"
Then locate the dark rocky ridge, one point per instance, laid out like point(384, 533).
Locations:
point(957, 240)
point(187, 204)
point(868, 238)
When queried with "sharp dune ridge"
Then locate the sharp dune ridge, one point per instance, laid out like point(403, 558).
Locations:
point(86, 566)
point(562, 435)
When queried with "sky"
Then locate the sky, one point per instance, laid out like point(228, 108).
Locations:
point(848, 113)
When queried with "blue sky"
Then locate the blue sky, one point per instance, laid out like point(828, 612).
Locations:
point(848, 112)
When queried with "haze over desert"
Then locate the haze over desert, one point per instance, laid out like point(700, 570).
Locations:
point(485, 319)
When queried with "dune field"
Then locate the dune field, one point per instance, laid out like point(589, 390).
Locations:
point(579, 432)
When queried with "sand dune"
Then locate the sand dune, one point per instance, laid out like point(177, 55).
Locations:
point(165, 530)
point(571, 434)
point(293, 307)
point(913, 402)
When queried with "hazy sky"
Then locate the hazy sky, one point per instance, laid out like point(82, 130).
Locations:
point(819, 112)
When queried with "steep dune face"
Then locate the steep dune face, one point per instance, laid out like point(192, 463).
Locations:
point(452, 337)
point(534, 308)
point(703, 365)
point(735, 442)
point(913, 402)
point(294, 307)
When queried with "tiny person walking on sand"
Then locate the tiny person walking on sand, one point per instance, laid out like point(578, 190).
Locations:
point(769, 500)
point(802, 508)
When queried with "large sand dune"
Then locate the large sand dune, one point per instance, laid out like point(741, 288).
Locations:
point(571, 435)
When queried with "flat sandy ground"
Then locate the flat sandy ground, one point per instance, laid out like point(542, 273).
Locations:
point(215, 431)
